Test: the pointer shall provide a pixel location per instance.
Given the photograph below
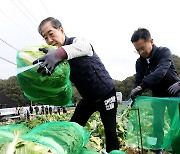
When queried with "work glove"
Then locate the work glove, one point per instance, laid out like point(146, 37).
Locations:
point(45, 50)
point(135, 92)
point(173, 89)
point(49, 61)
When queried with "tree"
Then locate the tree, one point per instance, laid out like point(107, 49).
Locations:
point(177, 63)
point(76, 96)
point(11, 88)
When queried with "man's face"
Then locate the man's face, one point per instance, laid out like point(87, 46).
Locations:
point(52, 36)
point(143, 47)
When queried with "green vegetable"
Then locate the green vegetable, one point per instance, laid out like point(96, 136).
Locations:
point(8, 132)
point(64, 137)
point(9, 137)
point(52, 90)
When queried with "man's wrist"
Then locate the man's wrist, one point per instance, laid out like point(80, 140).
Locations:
point(61, 53)
point(143, 85)
point(139, 87)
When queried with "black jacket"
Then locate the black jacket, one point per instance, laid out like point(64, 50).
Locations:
point(89, 75)
point(159, 74)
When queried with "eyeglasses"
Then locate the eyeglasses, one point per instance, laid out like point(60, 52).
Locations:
point(142, 49)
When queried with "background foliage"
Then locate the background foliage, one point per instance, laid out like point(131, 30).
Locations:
point(12, 90)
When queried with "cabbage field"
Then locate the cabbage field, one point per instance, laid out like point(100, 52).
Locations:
point(41, 133)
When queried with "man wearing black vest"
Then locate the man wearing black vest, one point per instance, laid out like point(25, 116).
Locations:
point(155, 70)
point(88, 74)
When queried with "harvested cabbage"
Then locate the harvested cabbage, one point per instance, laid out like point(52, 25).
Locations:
point(47, 138)
point(52, 90)
point(7, 133)
point(64, 137)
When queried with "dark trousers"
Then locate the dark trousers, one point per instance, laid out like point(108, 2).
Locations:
point(107, 107)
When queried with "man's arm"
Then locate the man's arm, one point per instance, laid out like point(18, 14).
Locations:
point(160, 71)
point(79, 48)
point(139, 73)
point(137, 90)
point(53, 57)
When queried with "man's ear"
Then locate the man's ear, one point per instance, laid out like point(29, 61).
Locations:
point(62, 30)
point(152, 41)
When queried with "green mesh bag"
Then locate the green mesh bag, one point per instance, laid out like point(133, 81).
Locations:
point(176, 143)
point(64, 137)
point(52, 90)
point(153, 123)
point(8, 132)
point(117, 152)
point(88, 151)
point(11, 142)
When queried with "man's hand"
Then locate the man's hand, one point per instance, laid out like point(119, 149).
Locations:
point(50, 61)
point(173, 89)
point(45, 50)
point(136, 91)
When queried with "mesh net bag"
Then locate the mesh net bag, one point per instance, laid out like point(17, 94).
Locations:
point(175, 143)
point(52, 90)
point(7, 132)
point(88, 151)
point(64, 137)
point(50, 137)
point(154, 123)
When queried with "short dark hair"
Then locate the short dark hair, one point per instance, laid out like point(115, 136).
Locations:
point(140, 33)
point(55, 23)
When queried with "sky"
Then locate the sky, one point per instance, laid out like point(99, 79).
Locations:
point(107, 24)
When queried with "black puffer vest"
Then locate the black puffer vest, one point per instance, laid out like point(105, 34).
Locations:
point(89, 76)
